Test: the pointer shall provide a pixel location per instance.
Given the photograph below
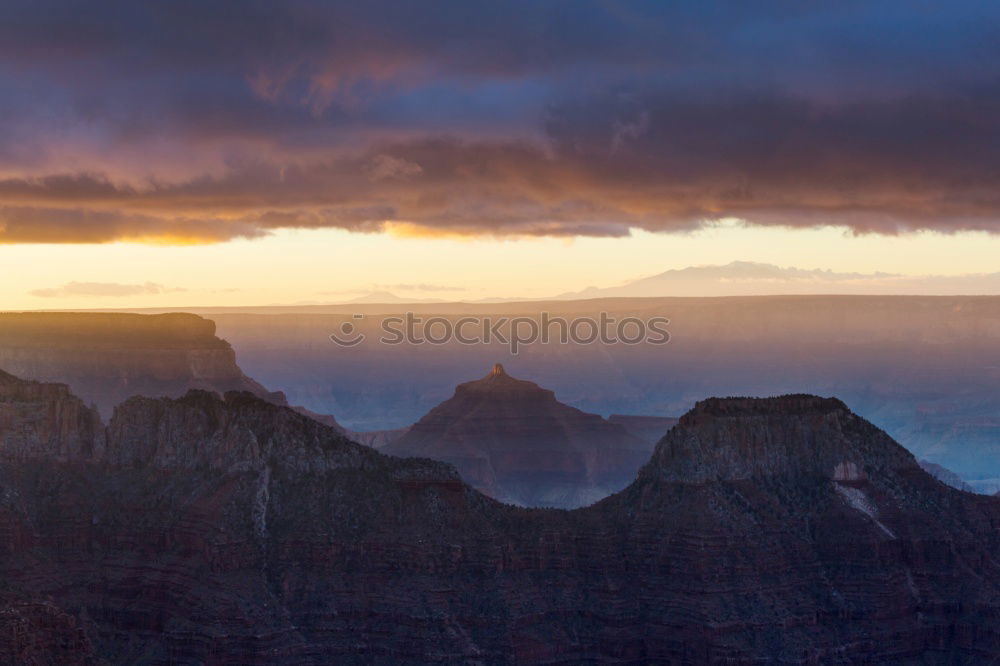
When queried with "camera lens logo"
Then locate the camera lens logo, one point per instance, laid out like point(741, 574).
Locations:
point(348, 335)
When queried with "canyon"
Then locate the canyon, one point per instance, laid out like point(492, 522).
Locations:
point(231, 530)
point(927, 369)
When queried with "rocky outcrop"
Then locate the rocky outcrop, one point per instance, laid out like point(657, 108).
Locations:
point(45, 421)
point(800, 435)
point(515, 442)
point(106, 358)
point(203, 431)
point(230, 530)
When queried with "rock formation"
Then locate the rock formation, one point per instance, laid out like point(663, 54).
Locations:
point(515, 442)
point(106, 358)
point(45, 421)
point(211, 530)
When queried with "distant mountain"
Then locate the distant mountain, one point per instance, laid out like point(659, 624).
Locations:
point(377, 439)
point(389, 298)
point(945, 475)
point(745, 278)
point(514, 441)
point(648, 428)
point(234, 531)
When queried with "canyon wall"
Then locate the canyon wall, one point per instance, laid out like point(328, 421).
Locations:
point(231, 530)
point(106, 358)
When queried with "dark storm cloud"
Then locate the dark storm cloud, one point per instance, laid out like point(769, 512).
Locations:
point(83, 225)
point(208, 121)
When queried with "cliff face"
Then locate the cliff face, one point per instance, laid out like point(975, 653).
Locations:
point(45, 421)
point(231, 530)
point(514, 441)
point(107, 358)
point(201, 431)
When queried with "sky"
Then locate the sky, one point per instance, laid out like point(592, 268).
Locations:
point(336, 266)
point(205, 153)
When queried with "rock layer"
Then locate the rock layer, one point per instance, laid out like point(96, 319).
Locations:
point(234, 531)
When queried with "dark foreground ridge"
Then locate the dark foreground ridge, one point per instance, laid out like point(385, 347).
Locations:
point(231, 530)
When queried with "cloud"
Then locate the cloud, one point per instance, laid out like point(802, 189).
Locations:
point(514, 119)
point(102, 289)
point(385, 166)
point(46, 224)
